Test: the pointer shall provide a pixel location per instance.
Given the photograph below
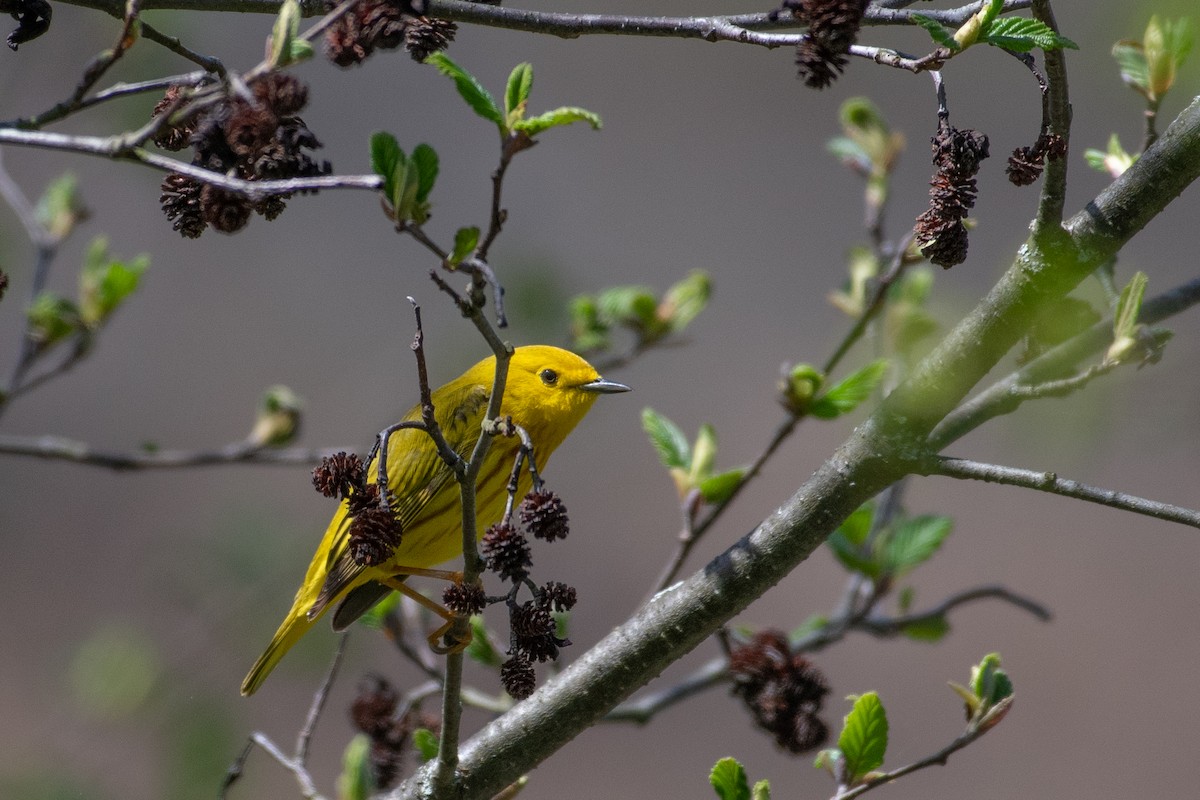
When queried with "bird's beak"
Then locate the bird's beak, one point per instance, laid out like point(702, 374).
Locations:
point(601, 386)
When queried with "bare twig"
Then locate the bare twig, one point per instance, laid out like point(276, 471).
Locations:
point(298, 763)
point(1054, 185)
point(243, 452)
point(1050, 482)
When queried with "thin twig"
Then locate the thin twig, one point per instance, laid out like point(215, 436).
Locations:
point(939, 759)
point(1050, 482)
point(1054, 184)
point(242, 452)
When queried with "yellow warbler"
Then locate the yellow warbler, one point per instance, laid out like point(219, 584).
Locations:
point(548, 392)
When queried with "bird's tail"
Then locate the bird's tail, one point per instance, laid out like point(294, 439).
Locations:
point(295, 625)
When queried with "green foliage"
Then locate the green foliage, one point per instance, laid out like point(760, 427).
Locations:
point(940, 34)
point(988, 695)
point(932, 629)
point(377, 613)
point(1021, 35)
point(478, 98)
point(851, 392)
point(480, 649)
point(513, 121)
point(60, 207)
point(51, 319)
point(286, 48)
point(465, 242)
point(356, 781)
point(1149, 67)
point(1133, 341)
point(728, 779)
point(407, 181)
point(426, 742)
point(278, 418)
point(863, 741)
point(1115, 160)
point(105, 283)
point(895, 549)
point(691, 464)
point(635, 308)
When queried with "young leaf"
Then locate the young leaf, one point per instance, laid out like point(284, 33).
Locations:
point(937, 31)
point(385, 156)
point(1021, 34)
point(989, 683)
point(811, 625)
point(104, 284)
point(632, 306)
point(761, 790)
point(849, 152)
point(1131, 59)
point(287, 25)
point(516, 93)
point(718, 488)
point(851, 555)
point(684, 301)
point(427, 744)
point(480, 650)
point(51, 319)
point(851, 392)
point(1129, 306)
point(668, 440)
point(426, 160)
point(465, 242)
point(477, 97)
point(588, 330)
point(728, 778)
point(302, 50)
point(914, 541)
point(864, 737)
point(356, 781)
point(556, 118)
point(60, 208)
point(704, 454)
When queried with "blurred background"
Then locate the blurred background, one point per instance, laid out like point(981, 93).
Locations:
point(134, 603)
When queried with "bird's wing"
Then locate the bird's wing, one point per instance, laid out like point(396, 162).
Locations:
point(416, 474)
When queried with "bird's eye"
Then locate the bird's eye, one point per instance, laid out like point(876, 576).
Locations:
point(548, 376)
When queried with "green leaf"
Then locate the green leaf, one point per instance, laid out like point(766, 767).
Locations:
point(718, 488)
point(588, 330)
point(302, 50)
point(914, 541)
point(1129, 306)
point(283, 34)
point(852, 556)
point(465, 242)
point(937, 31)
point(1022, 34)
point(992, 11)
point(932, 629)
point(60, 208)
point(477, 97)
point(814, 623)
point(851, 392)
point(1166, 45)
point(426, 160)
point(632, 306)
point(480, 650)
point(386, 157)
point(849, 152)
point(761, 790)
point(864, 737)
point(557, 118)
point(375, 616)
point(728, 778)
point(105, 284)
point(684, 301)
point(1131, 59)
point(427, 744)
point(51, 319)
point(668, 440)
point(356, 781)
point(989, 683)
point(516, 93)
point(704, 454)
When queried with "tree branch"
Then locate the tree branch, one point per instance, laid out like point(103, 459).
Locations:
point(243, 452)
point(1050, 482)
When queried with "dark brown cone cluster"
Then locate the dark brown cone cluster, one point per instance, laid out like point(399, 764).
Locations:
point(1025, 165)
point(374, 532)
point(832, 27)
point(32, 16)
point(783, 691)
point(518, 677)
point(464, 599)
point(507, 552)
point(544, 515)
point(372, 25)
point(373, 712)
point(262, 139)
point(940, 232)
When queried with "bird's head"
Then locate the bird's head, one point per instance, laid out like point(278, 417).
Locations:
point(549, 390)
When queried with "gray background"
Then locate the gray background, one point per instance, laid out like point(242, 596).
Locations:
point(712, 157)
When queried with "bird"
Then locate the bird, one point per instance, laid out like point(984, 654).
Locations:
point(547, 392)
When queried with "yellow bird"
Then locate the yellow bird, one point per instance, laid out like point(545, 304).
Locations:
point(548, 391)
